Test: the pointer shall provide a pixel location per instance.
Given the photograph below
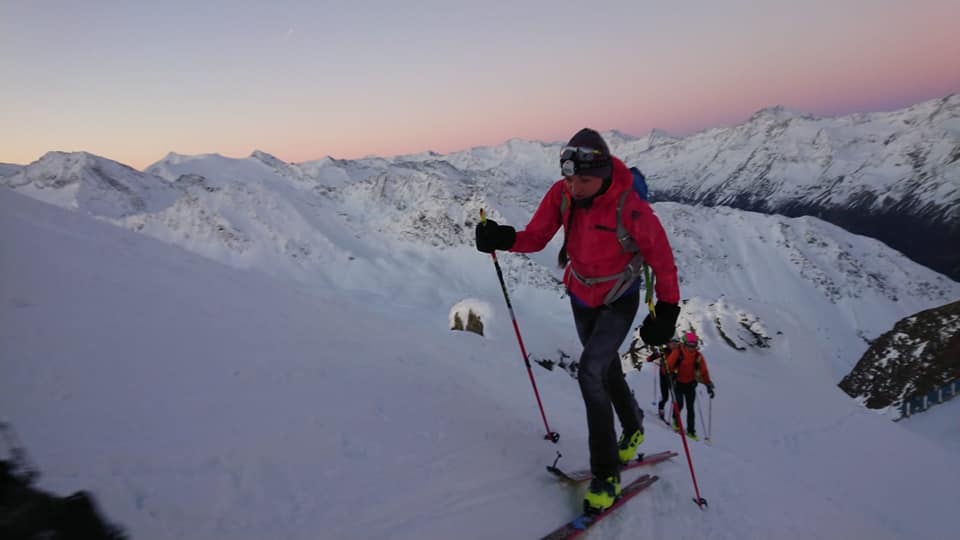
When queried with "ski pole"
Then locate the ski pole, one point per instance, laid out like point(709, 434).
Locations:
point(654, 402)
point(702, 427)
point(664, 373)
point(701, 502)
point(552, 436)
point(710, 421)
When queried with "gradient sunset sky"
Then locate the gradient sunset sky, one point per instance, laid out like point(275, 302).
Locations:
point(133, 80)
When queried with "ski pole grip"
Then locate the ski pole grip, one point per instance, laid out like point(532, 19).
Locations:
point(483, 217)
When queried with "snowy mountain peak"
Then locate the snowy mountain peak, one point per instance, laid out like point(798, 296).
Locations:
point(277, 164)
point(657, 133)
point(659, 137)
point(93, 184)
point(267, 158)
point(929, 111)
point(173, 157)
point(515, 142)
point(617, 138)
point(878, 174)
point(69, 161)
point(778, 113)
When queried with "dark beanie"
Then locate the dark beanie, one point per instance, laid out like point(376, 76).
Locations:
point(588, 138)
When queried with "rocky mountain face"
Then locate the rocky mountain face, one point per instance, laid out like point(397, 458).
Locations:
point(892, 176)
point(920, 353)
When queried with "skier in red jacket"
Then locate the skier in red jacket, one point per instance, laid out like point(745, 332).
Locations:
point(604, 282)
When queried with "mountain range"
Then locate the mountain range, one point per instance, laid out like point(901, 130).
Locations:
point(894, 176)
point(250, 348)
point(303, 220)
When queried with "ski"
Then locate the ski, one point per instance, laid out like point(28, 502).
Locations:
point(666, 424)
point(584, 474)
point(583, 522)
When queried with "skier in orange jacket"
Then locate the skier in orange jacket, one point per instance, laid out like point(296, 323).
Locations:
point(687, 367)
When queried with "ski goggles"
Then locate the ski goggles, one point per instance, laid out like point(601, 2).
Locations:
point(574, 159)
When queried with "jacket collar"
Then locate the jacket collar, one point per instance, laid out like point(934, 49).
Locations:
point(622, 179)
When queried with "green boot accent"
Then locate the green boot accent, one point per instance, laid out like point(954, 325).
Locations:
point(601, 495)
point(628, 446)
point(692, 435)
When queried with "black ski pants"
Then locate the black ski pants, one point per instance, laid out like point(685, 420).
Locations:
point(602, 330)
point(664, 388)
point(686, 395)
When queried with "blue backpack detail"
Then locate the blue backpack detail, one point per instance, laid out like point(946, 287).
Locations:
point(639, 183)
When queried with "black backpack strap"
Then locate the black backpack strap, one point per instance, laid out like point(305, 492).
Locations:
point(623, 235)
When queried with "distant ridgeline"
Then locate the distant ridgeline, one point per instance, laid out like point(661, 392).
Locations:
point(913, 366)
point(891, 176)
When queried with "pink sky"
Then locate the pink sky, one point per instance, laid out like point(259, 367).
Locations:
point(132, 83)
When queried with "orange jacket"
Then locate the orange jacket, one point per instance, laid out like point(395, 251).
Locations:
point(686, 364)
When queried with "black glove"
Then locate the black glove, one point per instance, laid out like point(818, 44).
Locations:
point(492, 236)
point(710, 390)
point(657, 331)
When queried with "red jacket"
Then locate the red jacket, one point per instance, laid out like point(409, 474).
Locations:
point(686, 363)
point(592, 244)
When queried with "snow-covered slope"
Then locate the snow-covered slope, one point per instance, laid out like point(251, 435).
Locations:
point(9, 169)
point(389, 221)
point(196, 400)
